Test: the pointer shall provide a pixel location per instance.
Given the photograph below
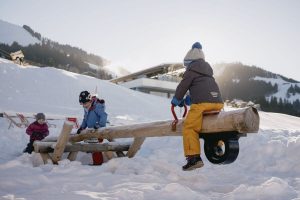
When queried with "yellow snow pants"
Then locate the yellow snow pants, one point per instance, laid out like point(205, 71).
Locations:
point(193, 124)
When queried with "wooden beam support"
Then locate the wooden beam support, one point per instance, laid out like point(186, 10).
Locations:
point(45, 157)
point(72, 155)
point(62, 141)
point(136, 145)
point(49, 147)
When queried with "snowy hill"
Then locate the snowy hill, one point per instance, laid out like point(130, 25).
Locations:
point(34, 91)
point(45, 52)
point(267, 167)
point(242, 81)
point(283, 88)
point(10, 33)
point(274, 92)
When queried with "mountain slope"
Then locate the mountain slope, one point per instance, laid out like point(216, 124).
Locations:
point(10, 33)
point(42, 51)
point(274, 92)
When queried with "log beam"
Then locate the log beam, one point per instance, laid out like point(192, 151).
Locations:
point(48, 147)
point(241, 121)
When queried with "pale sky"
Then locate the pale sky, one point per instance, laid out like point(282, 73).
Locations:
point(137, 34)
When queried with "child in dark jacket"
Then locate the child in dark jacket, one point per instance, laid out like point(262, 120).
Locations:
point(37, 130)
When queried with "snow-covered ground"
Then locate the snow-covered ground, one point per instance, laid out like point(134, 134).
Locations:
point(268, 165)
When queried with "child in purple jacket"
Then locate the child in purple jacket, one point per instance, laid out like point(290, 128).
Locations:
point(37, 130)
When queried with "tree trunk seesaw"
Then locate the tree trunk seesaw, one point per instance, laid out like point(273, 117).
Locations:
point(218, 130)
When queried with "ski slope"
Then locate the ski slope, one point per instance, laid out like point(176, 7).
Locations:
point(268, 165)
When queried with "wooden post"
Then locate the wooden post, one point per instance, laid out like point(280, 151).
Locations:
point(118, 153)
point(62, 141)
point(72, 155)
point(136, 145)
point(45, 157)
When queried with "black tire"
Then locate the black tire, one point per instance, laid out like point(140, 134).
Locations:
point(230, 150)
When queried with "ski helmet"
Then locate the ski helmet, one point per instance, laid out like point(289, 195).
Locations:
point(84, 97)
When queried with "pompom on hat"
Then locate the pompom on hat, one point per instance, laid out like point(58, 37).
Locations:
point(197, 45)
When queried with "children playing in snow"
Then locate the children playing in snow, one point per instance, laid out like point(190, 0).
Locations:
point(204, 96)
point(37, 130)
point(94, 117)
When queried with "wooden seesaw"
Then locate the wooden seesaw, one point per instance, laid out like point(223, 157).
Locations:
point(224, 128)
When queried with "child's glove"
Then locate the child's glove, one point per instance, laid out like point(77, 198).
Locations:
point(79, 130)
point(176, 102)
point(188, 100)
point(97, 125)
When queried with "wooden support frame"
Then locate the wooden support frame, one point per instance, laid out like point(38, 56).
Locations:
point(136, 145)
point(237, 122)
point(49, 147)
point(46, 157)
point(62, 141)
point(72, 155)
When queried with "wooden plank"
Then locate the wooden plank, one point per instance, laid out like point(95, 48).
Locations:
point(72, 155)
point(43, 147)
point(45, 157)
point(118, 153)
point(50, 139)
point(241, 121)
point(48, 147)
point(136, 145)
point(62, 141)
point(109, 154)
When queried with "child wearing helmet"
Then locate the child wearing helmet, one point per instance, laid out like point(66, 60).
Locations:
point(94, 117)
